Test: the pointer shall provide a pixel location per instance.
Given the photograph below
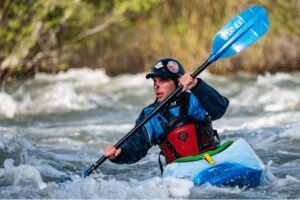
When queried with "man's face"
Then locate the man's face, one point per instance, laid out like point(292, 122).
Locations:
point(163, 87)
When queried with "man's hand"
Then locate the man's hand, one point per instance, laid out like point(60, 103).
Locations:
point(187, 81)
point(111, 152)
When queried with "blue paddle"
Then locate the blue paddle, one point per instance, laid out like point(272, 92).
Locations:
point(242, 31)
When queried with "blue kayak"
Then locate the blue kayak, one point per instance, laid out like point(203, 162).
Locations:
point(232, 164)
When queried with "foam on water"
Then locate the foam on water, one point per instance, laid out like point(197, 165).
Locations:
point(53, 93)
point(84, 89)
point(271, 79)
point(273, 120)
point(20, 175)
point(19, 151)
point(256, 122)
point(279, 100)
point(9, 143)
point(153, 188)
point(82, 77)
point(286, 181)
point(11, 146)
point(292, 132)
point(178, 187)
point(77, 135)
point(277, 92)
point(8, 105)
point(274, 99)
point(76, 89)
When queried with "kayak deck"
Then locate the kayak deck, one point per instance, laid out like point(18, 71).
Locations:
point(236, 165)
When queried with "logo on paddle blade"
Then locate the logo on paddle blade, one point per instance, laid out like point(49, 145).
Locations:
point(225, 34)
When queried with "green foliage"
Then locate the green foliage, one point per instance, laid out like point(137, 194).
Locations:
point(283, 15)
point(128, 35)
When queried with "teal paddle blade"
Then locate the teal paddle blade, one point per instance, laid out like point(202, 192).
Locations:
point(242, 31)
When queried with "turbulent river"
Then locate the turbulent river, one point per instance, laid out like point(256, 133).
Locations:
point(53, 126)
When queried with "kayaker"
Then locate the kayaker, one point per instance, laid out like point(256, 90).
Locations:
point(184, 127)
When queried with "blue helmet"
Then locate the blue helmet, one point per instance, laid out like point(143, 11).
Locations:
point(166, 68)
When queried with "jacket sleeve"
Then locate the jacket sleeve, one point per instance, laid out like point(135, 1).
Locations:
point(215, 104)
point(136, 146)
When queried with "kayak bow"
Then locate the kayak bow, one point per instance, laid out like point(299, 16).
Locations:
point(232, 164)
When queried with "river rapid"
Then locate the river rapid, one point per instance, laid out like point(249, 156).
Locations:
point(53, 126)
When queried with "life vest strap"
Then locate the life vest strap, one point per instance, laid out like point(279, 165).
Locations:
point(209, 159)
point(185, 135)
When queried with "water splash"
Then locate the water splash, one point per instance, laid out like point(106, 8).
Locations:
point(90, 187)
point(8, 105)
point(21, 175)
point(292, 132)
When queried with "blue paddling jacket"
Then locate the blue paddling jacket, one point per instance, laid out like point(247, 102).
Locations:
point(204, 102)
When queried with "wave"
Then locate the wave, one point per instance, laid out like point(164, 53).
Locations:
point(20, 175)
point(76, 89)
point(86, 89)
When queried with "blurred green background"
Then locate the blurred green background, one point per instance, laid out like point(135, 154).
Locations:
point(127, 36)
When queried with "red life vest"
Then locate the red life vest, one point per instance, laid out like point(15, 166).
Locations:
point(187, 140)
point(185, 135)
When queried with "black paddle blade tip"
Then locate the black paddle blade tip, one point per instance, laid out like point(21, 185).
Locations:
point(64, 180)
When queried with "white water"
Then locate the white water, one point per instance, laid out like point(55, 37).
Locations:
point(57, 125)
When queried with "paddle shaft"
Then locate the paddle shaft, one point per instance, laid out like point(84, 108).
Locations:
point(167, 100)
